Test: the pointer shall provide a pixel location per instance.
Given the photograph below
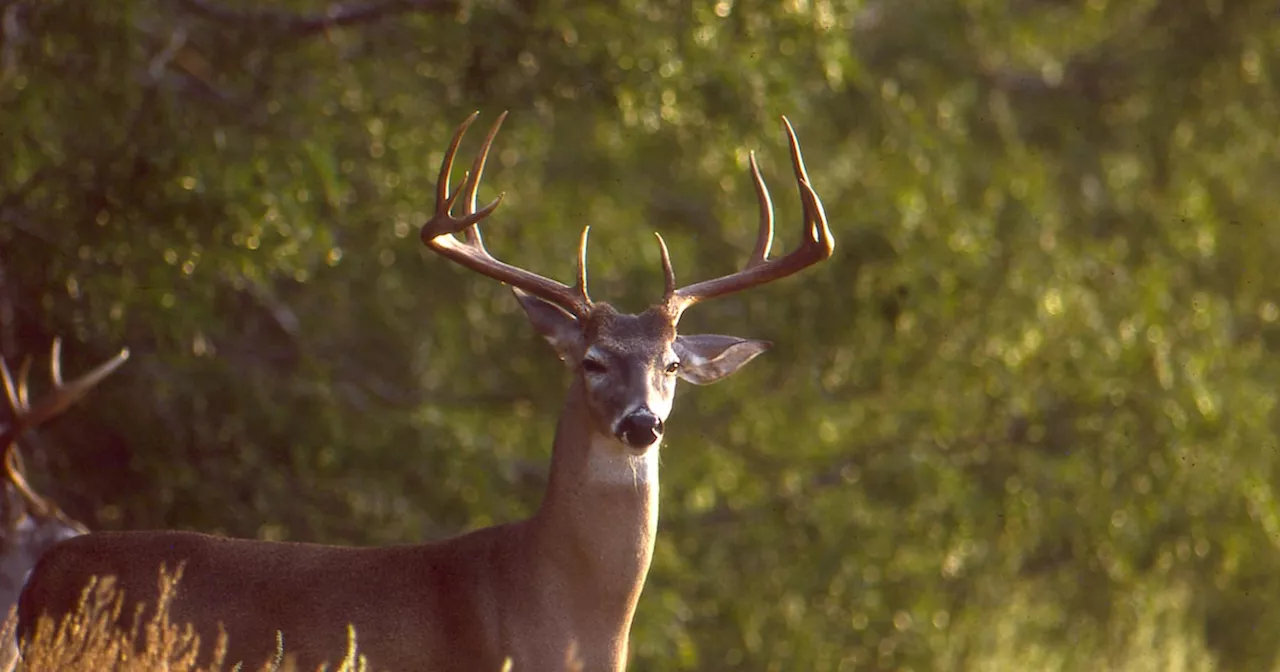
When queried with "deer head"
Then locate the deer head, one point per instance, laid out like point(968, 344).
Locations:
point(626, 364)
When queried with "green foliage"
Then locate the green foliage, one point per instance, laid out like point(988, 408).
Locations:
point(1026, 418)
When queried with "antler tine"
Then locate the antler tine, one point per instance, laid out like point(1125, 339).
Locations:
point(10, 390)
point(14, 471)
point(9, 440)
point(55, 362)
point(24, 374)
point(439, 232)
point(668, 275)
point(471, 183)
point(580, 286)
point(764, 238)
point(816, 244)
point(817, 229)
point(444, 198)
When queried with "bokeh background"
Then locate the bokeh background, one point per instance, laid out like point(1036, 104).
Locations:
point(1025, 418)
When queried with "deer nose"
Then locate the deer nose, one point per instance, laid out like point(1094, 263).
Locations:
point(640, 429)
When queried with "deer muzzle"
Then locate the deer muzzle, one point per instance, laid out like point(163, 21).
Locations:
point(641, 429)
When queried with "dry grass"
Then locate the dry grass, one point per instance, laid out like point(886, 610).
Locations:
point(89, 639)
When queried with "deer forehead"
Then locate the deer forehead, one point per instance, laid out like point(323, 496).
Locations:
point(648, 335)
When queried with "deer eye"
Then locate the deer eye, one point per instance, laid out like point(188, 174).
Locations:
point(593, 366)
point(672, 368)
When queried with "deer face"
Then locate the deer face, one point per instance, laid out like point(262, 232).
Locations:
point(628, 364)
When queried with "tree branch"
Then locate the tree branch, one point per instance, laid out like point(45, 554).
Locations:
point(342, 14)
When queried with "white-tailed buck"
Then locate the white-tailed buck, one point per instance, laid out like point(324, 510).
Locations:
point(567, 578)
point(31, 523)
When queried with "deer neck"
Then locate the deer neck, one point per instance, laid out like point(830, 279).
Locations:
point(600, 513)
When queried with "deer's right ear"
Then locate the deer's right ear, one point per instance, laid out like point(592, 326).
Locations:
point(561, 329)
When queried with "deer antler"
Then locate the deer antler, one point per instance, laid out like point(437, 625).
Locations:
point(439, 232)
point(816, 245)
point(26, 416)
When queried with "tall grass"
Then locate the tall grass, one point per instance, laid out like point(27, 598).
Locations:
point(90, 639)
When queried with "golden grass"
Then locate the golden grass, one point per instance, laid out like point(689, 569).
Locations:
point(89, 638)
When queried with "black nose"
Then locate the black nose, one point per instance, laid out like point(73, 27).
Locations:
point(640, 429)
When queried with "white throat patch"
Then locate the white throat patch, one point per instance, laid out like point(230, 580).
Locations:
point(611, 463)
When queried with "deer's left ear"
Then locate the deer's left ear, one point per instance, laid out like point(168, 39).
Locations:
point(560, 328)
point(706, 358)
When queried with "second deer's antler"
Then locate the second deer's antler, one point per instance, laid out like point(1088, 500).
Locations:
point(26, 416)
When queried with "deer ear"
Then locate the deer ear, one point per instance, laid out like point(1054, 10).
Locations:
point(559, 327)
point(706, 358)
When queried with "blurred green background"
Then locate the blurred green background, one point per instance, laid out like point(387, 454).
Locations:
point(1025, 419)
